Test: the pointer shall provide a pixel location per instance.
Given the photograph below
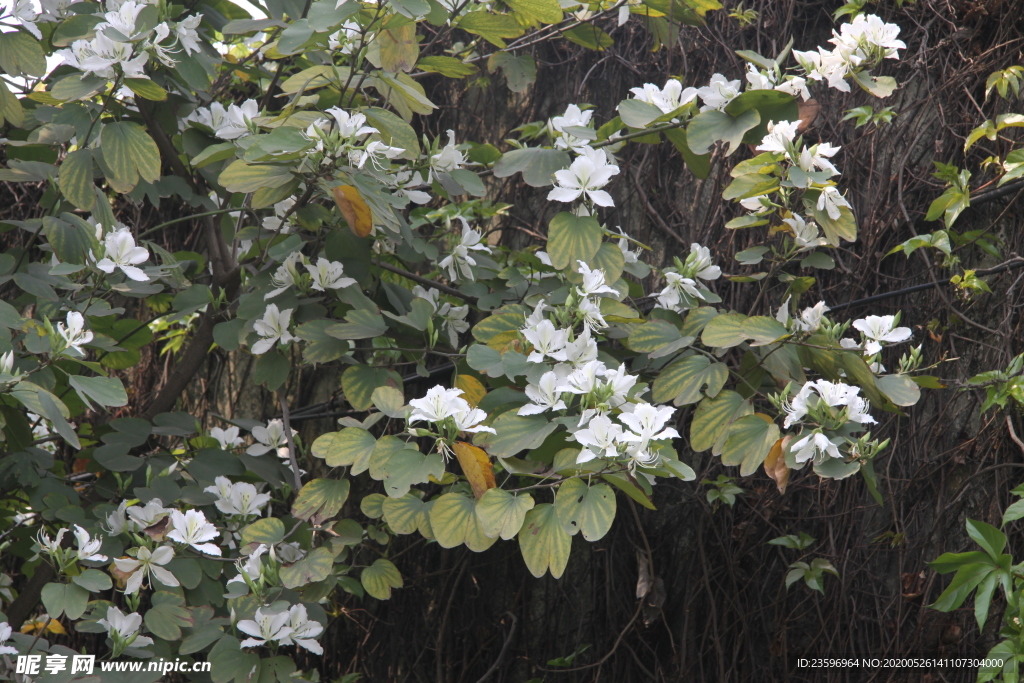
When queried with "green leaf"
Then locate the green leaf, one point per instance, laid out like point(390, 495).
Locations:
point(394, 131)
point(590, 509)
point(709, 127)
point(64, 598)
point(389, 401)
point(360, 324)
point(762, 330)
point(724, 331)
point(544, 543)
point(637, 113)
point(589, 36)
point(130, 153)
point(713, 416)
point(407, 467)
point(454, 521)
point(748, 441)
point(699, 164)
point(535, 163)
point(75, 179)
point(771, 105)
point(901, 389)
point(320, 500)
point(21, 55)
point(682, 380)
point(167, 615)
point(93, 580)
point(447, 66)
point(653, 335)
point(147, 89)
point(573, 238)
point(544, 11)
point(520, 71)
point(107, 391)
point(10, 107)
point(351, 447)
point(315, 566)
point(515, 433)
point(294, 37)
point(494, 28)
point(268, 531)
point(359, 381)
point(243, 177)
point(404, 515)
point(75, 27)
point(991, 539)
point(380, 577)
point(965, 580)
point(502, 514)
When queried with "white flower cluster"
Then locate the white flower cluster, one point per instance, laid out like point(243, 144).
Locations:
point(859, 43)
point(446, 409)
point(238, 498)
point(87, 547)
point(668, 98)
point(124, 629)
point(591, 171)
point(876, 331)
point(227, 123)
point(808, 321)
point(119, 40)
point(270, 438)
point(682, 291)
point(323, 275)
point(284, 626)
point(829, 404)
point(349, 137)
point(577, 372)
point(460, 261)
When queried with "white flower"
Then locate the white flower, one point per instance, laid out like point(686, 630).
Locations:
point(545, 395)
point(7, 363)
point(718, 93)
point(48, 546)
point(303, 630)
point(628, 255)
point(350, 125)
point(879, 328)
point(618, 382)
point(120, 252)
point(585, 176)
point(227, 438)
point(699, 261)
point(805, 233)
point(252, 568)
point(448, 159)
point(810, 318)
point(593, 282)
point(100, 55)
point(590, 312)
point(271, 437)
point(240, 498)
point(75, 334)
point(273, 329)
point(600, 439)
point(679, 292)
point(125, 627)
point(5, 635)
point(431, 296)
point(25, 14)
point(265, 628)
point(668, 98)
point(117, 521)
point(780, 136)
point(647, 423)
point(583, 380)
point(833, 395)
point(830, 200)
point(276, 222)
point(235, 123)
point(817, 157)
point(145, 564)
point(286, 275)
point(460, 260)
point(187, 35)
point(123, 18)
point(546, 340)
point(191, 528)
point(573, 117)
point(328, 275)
point(373, 153)
point(454, 318)
point(438, 404)
point(580, 352)
point(147, 516)
point(809, 447)
point(88, 548)
point(867, 31)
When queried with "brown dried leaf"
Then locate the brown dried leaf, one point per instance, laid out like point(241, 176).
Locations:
point(775, 464)
point(808, 112)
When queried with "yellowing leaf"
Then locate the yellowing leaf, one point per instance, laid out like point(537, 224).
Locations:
point(472, 389)
point(398, 48)
point(354, 208)
point(775, 464)
point(544, 543)
point(476, 466)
